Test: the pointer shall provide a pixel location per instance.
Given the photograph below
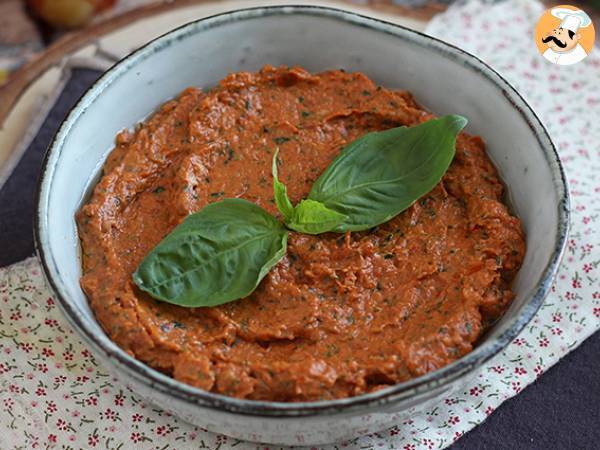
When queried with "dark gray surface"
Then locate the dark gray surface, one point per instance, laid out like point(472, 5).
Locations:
point(559, 411)
point(17, 196)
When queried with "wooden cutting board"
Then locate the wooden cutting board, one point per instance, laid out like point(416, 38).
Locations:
point(29, 95)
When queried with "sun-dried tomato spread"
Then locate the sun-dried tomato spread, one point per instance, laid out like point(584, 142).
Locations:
point(341, 314)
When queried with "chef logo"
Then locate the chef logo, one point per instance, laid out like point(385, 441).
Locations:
point(565, 35)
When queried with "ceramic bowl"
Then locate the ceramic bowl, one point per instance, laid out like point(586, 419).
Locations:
point(443, 78)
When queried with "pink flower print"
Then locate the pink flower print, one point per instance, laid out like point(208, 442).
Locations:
point(475, 391)
point(516, 385)
point(75, 414)
point(427, 442)
point(135, 437)
point(51, 322)
point(51, 407)
point(569, 295)
point(93, 440)
point(596, 295)
point(556, 317)
point(597, 312)
point(52, 438)
point(458, 435)
point(162, 430)
point(62, 425)
point(14, 388)
point(16, 315)
point(454, 420)
point(67, 355)
point(192, 435)
point(40, 392)
point(112, 428)
point(556, 331)
point(544, 342)
point(42, 367)
point(92, 400)
point(86, 353)
point(59, 339)
point(26, 347)
point(119, 400)
point(8, 403)
point(50, 302)
point(29, 376)
point(409, 447)
point(489, 410)
point(47, 352)
point(4, 368)
point(519, 341)
point(394, 431)
point(137, 417)
point(450, 401)
point(72, 438)
point(520, 371)
point(498, 369)
point(109, 414)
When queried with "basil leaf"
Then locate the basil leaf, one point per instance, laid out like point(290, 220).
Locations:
point(313, 217)
point(216, 255)
point(381, 174)
point(281, 198)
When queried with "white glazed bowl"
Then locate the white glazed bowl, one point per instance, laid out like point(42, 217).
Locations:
point(443, 78)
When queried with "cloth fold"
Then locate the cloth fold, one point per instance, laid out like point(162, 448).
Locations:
point(54, 394)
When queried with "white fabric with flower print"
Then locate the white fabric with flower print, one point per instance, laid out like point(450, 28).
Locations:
point(53, 394)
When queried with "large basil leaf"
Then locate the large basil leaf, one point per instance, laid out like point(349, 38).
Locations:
point(216, 255)
point(313, 217)
point(382, 173)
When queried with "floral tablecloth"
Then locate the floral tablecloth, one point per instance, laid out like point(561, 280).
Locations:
point(54, 394)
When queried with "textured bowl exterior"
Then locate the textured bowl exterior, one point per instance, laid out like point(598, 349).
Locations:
point(442, 77)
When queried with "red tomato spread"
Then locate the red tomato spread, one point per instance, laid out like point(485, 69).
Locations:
point(341, 314)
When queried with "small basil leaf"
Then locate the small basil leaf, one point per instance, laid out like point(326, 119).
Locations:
point(381, 174)
point(281, 198)
point(313, 217)
point(216, 255)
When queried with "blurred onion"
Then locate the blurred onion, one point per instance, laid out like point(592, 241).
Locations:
point(68, 13)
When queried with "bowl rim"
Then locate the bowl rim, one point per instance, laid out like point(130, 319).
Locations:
point(154, 380)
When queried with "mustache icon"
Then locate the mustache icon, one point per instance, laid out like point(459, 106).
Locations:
point(558, 42)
